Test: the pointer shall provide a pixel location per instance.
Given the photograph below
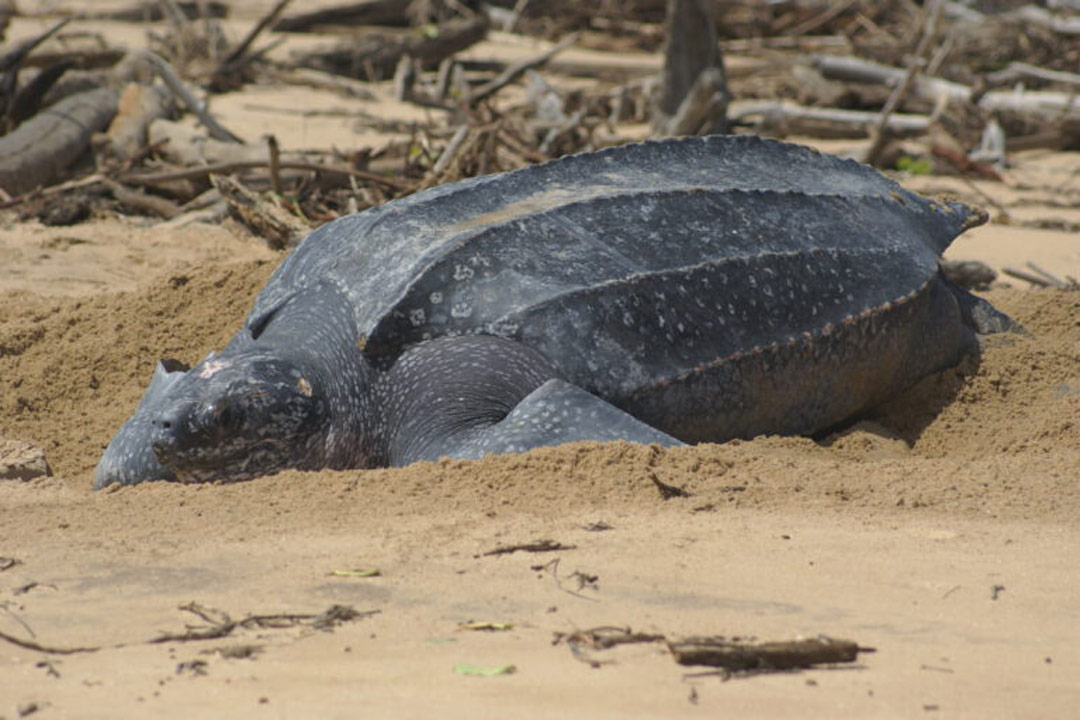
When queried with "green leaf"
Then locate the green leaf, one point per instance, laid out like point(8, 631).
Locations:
point(476, 670)
point(357, 573)
point(485, 626)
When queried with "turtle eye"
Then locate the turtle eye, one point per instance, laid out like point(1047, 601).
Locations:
point(225, 415)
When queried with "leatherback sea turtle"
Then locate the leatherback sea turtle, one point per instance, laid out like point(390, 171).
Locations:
point(700, 289)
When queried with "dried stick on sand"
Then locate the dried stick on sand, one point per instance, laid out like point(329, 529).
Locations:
point(39, 150)
point(165, 71)
point(231, 167)
point(515, 71)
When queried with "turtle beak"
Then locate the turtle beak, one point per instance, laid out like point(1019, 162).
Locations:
point(171, 426)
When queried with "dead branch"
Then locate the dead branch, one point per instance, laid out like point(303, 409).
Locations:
point(376, 56)
point(797, 119)
point(254, 33)
point(685, 96)
point(1016, 71)
point(231, 167)
point(39, 150)
point(31, 645)
point(879, 136)
point(139, 106)
point(704, 109)
point(140, 201)
point(737, 656)
point(280, 229)
point(30, 98)
point(371, 12)
point(165, 71)
point(534, 547)
point(516, 70)
point(14, 57)
point(852, 69)
point(150, 11)
point(322, 81)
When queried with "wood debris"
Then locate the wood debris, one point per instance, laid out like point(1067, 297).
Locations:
point(903, 75)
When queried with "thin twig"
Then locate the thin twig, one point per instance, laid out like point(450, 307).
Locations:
point(31, 645)
point(275, 164)
point(515, 71)
point(242, 48)
point(164, 69)
point(450, 151)
point(880, 135)
point(1026, 276)
point(1052, 278)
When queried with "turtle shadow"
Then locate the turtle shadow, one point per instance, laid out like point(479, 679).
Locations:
point(907, 416)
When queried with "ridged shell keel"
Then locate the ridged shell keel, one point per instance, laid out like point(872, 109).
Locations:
point(813, 382)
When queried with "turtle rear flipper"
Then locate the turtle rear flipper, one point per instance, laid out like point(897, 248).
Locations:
point(978, 314)
point(555, 413)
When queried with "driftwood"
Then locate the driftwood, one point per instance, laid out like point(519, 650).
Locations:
point(704, 109)
point(151, 11)
point(31, 97)
point(14, 57)
point(139, 106)
point(39, 150)
point(880, 137)
point(852, 69)
point(781, 118)
point(372, 12)
point(238, 57)
point(736, 656)
point(163, 69)
point(142, 202)
point(376, 57)
point(263, 217)
point(1042, 103)
point(1017, 71)
point(168, 176)
point(7, 10)
point(322, 81)
point(693, 92)
point(184, 145)
point(516, 70)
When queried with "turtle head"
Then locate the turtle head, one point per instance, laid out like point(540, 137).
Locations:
point(240, 417)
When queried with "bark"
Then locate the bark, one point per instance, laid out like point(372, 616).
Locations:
point(692, 49)
point(41, 149)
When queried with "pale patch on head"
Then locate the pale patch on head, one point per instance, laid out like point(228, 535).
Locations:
point(212, 367)
point(304, 386)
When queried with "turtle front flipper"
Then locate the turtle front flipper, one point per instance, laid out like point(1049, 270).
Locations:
point(469, 396)
point(129, 458)
point(556, 413)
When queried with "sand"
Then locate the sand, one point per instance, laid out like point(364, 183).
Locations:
point(942, 530)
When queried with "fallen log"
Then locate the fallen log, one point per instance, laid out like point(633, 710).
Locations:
point(39, 150)
point(693, 89)
point(151, 11)
point(139, 106)
point(1031, 102)
point(263, 217)
point(827, 122)
point(371, 12)
point(853, 69)
point(735, 656)
point(376, 57)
